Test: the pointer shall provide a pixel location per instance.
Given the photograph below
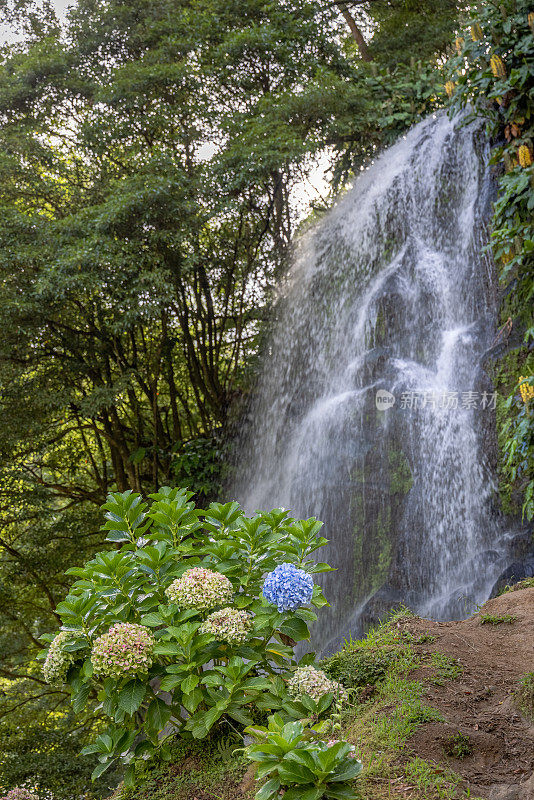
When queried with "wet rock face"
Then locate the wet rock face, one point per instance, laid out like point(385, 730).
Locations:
point(389, 293)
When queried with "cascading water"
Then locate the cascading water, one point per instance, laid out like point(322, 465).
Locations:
point(389, 292)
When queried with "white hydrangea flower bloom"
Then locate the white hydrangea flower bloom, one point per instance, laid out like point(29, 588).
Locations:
point(57, 661)
point(201, 589)
point(228, 625)
point(315, 683)
point(126, 649)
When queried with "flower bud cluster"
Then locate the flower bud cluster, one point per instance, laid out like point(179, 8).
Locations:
point(315, 683)
point(126, 649)
point(228, 625)
point(288, 587)
point(57, 662)
point(201, 589)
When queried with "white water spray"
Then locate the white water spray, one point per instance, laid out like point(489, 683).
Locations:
point(389, 292)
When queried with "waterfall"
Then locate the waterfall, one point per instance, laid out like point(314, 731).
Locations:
point(372, 411)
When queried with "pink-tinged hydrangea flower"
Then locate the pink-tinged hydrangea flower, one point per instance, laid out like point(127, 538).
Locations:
point(126, 649)
point(201, 589)
point(57, 661)
point(228, 625)
point(315, 683)
point(18, 793)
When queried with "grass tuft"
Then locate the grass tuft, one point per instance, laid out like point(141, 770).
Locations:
point(458, 746)
point(526, 583)
point(436, 782)
point(493, 619)
point(525, 694)
point(446, 669)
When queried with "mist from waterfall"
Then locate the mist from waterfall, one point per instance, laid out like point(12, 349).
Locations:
point(388, 292)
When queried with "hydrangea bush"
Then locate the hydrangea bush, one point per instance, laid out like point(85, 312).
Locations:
point(188, 620)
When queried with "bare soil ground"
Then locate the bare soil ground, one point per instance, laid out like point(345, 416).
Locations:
point(481, 702)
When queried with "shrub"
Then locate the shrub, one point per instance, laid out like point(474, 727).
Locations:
point(177, 611)
point(301, 767)
point(18, 793)
point(359, 667)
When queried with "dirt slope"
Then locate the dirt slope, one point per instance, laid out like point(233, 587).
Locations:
point(481, 701)
point(464, 673)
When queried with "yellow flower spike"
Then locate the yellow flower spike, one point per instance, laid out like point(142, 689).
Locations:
point(476, 32)
point(497, 66)
point(526, 389)
point(525, 156)
point(530, 20)
point(450, 87)
point(459, 44)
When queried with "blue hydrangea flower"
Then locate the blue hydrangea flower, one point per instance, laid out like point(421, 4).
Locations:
point(288, 587)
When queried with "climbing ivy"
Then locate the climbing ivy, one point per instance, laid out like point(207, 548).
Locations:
point(493, 71)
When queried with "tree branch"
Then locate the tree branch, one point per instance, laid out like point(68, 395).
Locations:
point(356, 32)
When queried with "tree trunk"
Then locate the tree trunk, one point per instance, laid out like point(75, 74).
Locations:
point(356, 32)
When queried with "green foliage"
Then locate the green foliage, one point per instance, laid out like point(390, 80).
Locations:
point(493, 619)
point(321, 715)
point(525, 694)
point(419, 27)
point(41, 747)
point(433, 780)
point(389, 100)
point(359, 667)
point(304, 768)
point(458, 746)
point(526, 583)
point(194, 679)
point(198, 463)
point(213, 766)
point(446, 668)
point(503, 97)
